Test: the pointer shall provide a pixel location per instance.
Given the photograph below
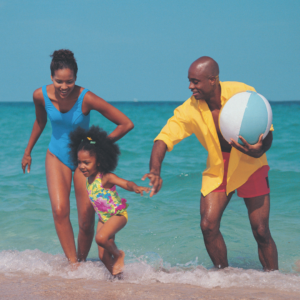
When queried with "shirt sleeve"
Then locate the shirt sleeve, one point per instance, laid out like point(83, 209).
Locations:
point(177, 128)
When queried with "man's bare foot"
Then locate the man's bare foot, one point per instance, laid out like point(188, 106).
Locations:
point(118, 265)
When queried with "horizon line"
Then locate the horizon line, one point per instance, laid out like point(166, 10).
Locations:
point(147, 101)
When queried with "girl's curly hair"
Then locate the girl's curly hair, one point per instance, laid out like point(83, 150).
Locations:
point(63, 59)
point(95, 141)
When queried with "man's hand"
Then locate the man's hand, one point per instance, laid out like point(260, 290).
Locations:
point(157, 156)
point(256, 150)
point(155, 182)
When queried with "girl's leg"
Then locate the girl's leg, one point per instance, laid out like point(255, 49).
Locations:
point(104, 255)
point(105, 239)
point(59, 178)
point(86, 216)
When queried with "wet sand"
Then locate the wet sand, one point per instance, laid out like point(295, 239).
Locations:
point(20, 286)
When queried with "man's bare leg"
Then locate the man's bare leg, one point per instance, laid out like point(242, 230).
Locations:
point(258, 211)
point(212, 207)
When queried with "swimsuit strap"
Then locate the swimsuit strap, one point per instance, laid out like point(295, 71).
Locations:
point(99, 177)
point(48, 101)
point(81, 96)
point(46, 98)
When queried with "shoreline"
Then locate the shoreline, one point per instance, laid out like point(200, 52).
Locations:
point(22, 286)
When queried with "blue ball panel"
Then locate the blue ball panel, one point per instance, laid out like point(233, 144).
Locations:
point(255, 119)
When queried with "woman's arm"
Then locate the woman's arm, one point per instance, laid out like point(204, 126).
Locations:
point(38, 127)
point(111, 179)
point(124, 124)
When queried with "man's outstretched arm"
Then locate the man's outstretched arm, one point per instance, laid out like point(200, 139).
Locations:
point(157, 156)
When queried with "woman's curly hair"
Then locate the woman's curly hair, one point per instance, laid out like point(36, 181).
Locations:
point(95, 141)
point(63, 59)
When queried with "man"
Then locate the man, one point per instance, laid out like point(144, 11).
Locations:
point(247, 171)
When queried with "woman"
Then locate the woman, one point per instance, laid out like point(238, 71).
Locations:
point(68, 106)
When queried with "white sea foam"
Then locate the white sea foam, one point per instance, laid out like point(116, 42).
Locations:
point(143, 271)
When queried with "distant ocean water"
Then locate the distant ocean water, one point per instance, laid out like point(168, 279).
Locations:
point(162, 239)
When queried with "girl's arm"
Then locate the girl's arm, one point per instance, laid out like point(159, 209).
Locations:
point(124, 124)
point(38, 127)
point(111, 179)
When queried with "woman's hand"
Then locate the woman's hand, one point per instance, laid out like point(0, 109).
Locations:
point(38, 127)
point(26, 161)
point(124, 124)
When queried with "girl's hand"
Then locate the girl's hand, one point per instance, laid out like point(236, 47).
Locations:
point(140, 189)
point(111, 179)
point(26, 161)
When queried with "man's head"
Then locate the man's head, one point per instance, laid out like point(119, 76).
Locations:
point(204, 77)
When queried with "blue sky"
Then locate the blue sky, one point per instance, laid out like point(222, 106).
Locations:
point(142, 49)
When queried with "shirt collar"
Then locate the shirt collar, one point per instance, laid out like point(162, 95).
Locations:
point(224, 94)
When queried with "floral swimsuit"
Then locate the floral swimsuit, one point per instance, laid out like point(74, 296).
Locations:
point(106, 202)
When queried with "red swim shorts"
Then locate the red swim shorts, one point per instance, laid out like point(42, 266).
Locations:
point(256, 185)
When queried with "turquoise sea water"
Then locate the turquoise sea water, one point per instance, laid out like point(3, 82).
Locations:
point(162, 239)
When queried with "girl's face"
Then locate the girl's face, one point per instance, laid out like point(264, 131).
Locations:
point(87, 163)
point(64, 82)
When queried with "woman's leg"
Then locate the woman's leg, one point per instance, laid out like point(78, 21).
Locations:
point(59, 178)
point(105, 239)
point(86, 216)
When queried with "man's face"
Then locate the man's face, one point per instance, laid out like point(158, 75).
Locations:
point(200, 84)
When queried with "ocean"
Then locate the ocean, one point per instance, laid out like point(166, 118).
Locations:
point(162, 239)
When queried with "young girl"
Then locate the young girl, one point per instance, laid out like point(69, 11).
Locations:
point(96, 156)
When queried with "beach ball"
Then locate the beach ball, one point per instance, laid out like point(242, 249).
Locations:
point(247, 114)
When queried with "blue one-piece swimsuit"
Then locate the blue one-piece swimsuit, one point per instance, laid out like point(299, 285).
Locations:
point(62, 125)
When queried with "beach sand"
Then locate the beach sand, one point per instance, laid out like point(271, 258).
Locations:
point(20, 286)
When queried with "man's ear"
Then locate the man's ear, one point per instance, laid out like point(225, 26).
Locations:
point(213, 79)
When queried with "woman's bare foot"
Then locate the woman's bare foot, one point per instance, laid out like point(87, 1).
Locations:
point(74, 265)
point(118, 265)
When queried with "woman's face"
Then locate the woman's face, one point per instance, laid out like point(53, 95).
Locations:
point(64, 82)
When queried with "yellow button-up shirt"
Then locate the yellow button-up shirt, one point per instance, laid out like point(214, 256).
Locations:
point(194, 116)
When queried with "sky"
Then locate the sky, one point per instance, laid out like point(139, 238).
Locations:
point(141, 50)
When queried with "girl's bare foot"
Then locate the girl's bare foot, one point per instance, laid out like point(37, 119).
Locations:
point(118, 265)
